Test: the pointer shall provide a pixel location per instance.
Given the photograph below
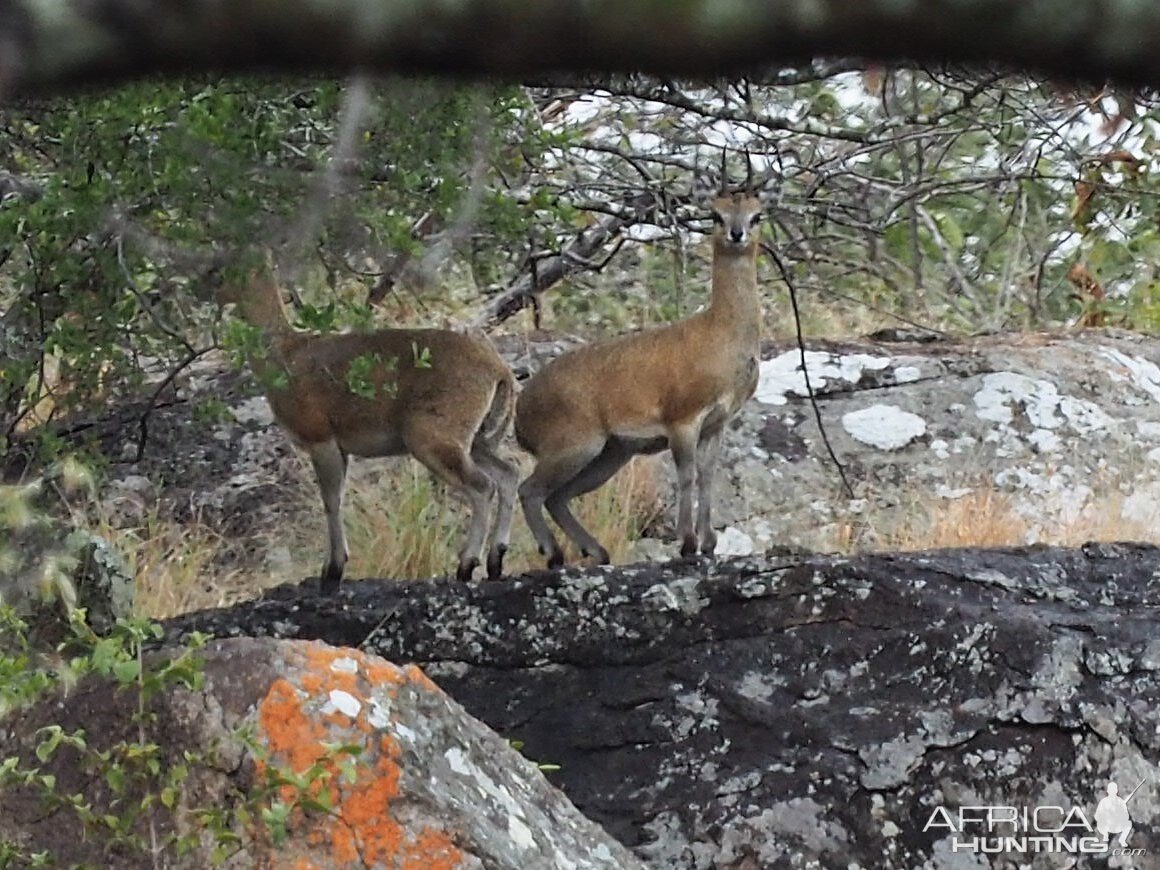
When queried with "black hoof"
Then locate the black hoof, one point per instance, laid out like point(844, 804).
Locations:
point(600, 558)
point(465, 570)
point(330, 580)
point(556, 560)
point(688, 548)
point(495, 562)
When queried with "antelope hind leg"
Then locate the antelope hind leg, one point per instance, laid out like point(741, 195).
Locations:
point(505, 476)
point(551, 473)
point(592, 476)
point(329, 461)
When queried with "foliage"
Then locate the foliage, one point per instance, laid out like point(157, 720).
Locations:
point(963, 198)
point(136, 789)
point(133, 770)
point(958, 197)
point(48, 566)
point(98, 278)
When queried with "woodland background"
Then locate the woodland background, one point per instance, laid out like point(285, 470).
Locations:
point(945, 199)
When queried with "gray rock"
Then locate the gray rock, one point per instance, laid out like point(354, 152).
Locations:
point(429, 786)
point(1052, 421)
point(799, 711)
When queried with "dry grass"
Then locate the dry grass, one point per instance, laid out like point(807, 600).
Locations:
point(987, 517)
point(176, 566)
point(400, 523)
point(982, 518)
point(404, 524)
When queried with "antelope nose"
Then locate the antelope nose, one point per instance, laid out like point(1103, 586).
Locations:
point(737, 235)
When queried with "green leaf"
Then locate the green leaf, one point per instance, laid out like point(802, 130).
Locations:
point(126, 672)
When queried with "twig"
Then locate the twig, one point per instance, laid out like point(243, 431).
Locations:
point(769, 249)
point(143, 420)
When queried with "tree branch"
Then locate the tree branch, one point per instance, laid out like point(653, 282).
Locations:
point(576, 256)
point(51, 44)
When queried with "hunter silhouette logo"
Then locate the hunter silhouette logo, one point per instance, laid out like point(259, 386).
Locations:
point(1112, 814)
point(996, 829)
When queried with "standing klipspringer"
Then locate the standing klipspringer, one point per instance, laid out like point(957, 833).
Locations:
point(443, 397)
point(585, 414)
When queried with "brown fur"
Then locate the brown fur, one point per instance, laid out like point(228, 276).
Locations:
point(674, 387)
point(450, 413)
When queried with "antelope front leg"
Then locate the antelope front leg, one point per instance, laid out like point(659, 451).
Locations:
point(708, 451)
point(683, 444)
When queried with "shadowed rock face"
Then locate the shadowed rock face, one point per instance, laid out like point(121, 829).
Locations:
point(795, 711)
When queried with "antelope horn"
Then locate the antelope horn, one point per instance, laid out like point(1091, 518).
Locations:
point(724, 171)
point(748, 172)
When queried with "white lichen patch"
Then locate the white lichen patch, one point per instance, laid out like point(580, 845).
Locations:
point(907, 374)
point(344, 665)
point(734, 542)
point(888, 764)
point(701, 710)
point(681, 595)
point(520, 833)
point(377, 716)
point(782, 376)
point(1006, 394)
point(1142, 507)
point(254, 410)
point(886, 427)
point(345, 703)
point(1141, 373)
point(483, 784)
point(759, 686)
point(458, 762)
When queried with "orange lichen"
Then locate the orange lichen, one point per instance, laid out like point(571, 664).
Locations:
point(298, 725)
point(420, 679)
point(381, 672)
point(337, 720)
point(288, 730)
point(344, 848)
point(431, 850)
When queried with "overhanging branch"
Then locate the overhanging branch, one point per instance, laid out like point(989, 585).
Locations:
point(51, 44)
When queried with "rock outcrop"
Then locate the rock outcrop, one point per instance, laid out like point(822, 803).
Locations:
point(351, 762)
point(801, 711)
point(1058, 422)
point(1066, 426)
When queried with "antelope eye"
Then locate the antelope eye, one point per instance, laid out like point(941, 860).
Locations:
point(717, 219)
point(755, 220)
